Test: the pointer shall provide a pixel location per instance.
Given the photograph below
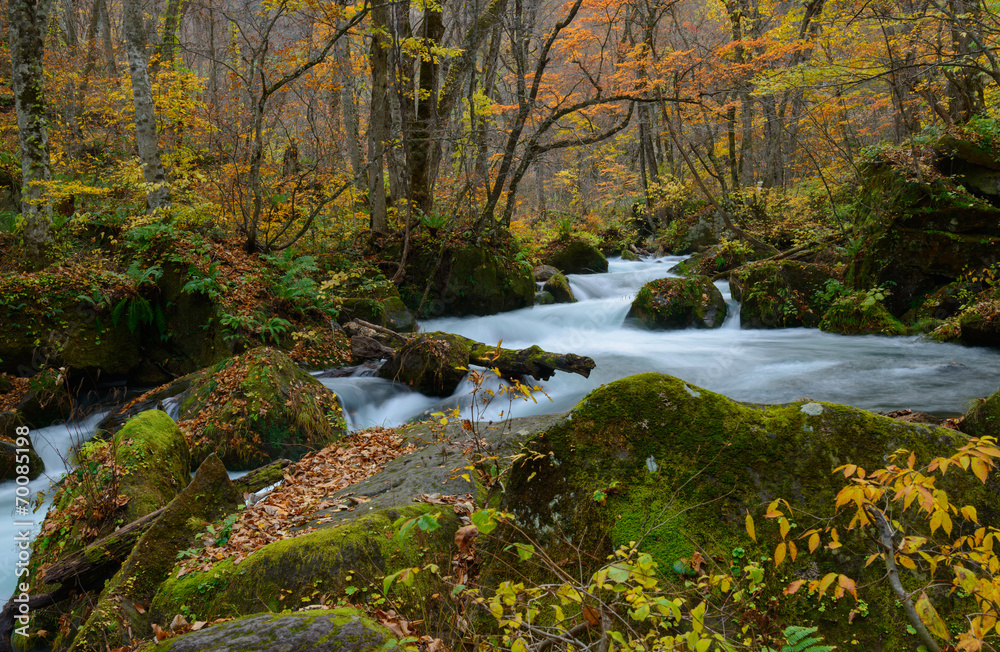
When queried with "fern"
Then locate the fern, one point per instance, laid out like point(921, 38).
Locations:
point(801, 639)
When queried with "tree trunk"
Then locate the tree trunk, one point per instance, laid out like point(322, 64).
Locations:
point(422, 127)
point(28, 23)
point(379, 120)
point(157, 190)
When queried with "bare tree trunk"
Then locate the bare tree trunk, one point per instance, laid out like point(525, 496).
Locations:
point(379, 120)
point(157, 190)
point(28, 22)
point(109, 49)
point(168, 40)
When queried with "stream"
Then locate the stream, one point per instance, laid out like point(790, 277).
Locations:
point(762, 366)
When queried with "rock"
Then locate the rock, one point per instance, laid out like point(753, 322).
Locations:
point(780, 294)
point(465, 280)
point(435, 363)
point(919, 237)
point(558, 287)
point(321, 630)
point(628, 254)
point(543, 273)
point(153, 464)
point(428, 362)
point(544, 298)
point(17, 452)
point(983, 417)
point(115, 620)
point(687, 234)
point(379, 304)
point(573, 256)
point(258, 407)
point(860, 314)
point(720, 258)
point(676, 303)
point(675, 469)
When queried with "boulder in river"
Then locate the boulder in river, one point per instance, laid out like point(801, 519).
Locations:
point(655, 462)
point(258, 407)
point(983, 417)
point(676, 303)
point(860, 313)
point(17, 452)
point(781, 294)
point(575, 256)
point(558, 286)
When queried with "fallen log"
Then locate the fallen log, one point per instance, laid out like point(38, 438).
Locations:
point(435, 363)
point(88, 569)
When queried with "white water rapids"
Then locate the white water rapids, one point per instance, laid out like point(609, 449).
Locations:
point(762, 366)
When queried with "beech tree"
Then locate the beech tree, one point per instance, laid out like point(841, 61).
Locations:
point(28, 25)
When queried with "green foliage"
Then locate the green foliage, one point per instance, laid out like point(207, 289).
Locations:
point(801, 639)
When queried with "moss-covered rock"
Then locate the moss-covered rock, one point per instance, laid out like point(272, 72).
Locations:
point(780, 294)
point(429, 363)
point(298, 570)
point(983, 418)
point(921, 234)
point(558, 286)
point(543, 298)
point(860, 314)
point(116, 621)
point(336, 630)
point(575, 256)
point(674, 303)
point(722, 257)
point(258, 407)
point(676, 468)
point(628, 254)
point(445, 279)
point(377, 304)
point(691, 232)
point(118, 481)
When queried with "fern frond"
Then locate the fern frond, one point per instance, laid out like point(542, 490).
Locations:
point(801, 639)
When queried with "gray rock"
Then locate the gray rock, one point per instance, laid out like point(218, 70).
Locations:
point(340, 630)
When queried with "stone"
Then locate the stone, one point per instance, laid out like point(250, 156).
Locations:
point(677, 303)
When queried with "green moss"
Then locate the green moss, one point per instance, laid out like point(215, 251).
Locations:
point(983, 418)
point(853, 315)
point(574, 256)
point(683, 466)
point(286, 571)
point(558, 287)
point(672, 303)
point(780, 294)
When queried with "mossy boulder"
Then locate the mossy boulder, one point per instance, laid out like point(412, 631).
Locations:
point(675, 468)
point(377, 304)
point(920, 235)
point(256, 408)
point(290, 570)
point(781, 294)
point(722, 257)
point(116, 621)
point(692, 232)
point(860, 314)
point(544, 299)
point(558, 286)
point(140, 470)
point(983, 418)
point(575, 256)
point(675, 303)
point(335, 630)
point(429, 363)
point(445, 279)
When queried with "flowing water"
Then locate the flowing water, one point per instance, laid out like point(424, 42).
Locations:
point(763, 366)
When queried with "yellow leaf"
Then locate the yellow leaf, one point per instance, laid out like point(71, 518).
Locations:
point(793, 587)
point(814, 542)
point(980, 469)
point(783, 527)
point(827, 580)
point(703, 645)
point(779, 554)
point(929, 616)
point(750, 528)
point(792, 550)
point(847, 584)
point(906, 562)
point(849, 469)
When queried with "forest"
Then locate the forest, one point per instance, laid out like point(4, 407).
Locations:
point(500, 325)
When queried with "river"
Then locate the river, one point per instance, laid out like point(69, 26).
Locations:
point(761, 366)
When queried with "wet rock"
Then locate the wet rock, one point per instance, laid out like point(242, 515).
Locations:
point(558, 287)
point(780, 294)
point(676, 303)
point(543, 273)
point(983, 418)
point(573, 256)
point(544, 298)
point(859, 313)
point(321, 630)
point(428, 362)
point(258, 407)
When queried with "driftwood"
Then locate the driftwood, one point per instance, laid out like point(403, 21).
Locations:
point(88, 569)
